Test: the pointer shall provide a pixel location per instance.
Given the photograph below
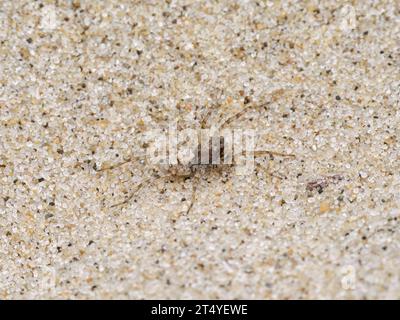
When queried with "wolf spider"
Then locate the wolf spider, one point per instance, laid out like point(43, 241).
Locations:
point(195, 168)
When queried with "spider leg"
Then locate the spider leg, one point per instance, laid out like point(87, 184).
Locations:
point(272, 174)
point(236, 116)
point(266, 152)
point(139, 186)
point(112, 167)
point(276, 175)
point(136, 189)
point(204, 118)
point(262, 153)
point(274, 96)
point(194, 190)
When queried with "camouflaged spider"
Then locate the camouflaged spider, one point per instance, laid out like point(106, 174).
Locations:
point(200, 162)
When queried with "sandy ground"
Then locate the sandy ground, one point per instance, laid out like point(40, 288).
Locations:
point(82, 82)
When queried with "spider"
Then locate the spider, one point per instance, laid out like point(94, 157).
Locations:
point(200, 162)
